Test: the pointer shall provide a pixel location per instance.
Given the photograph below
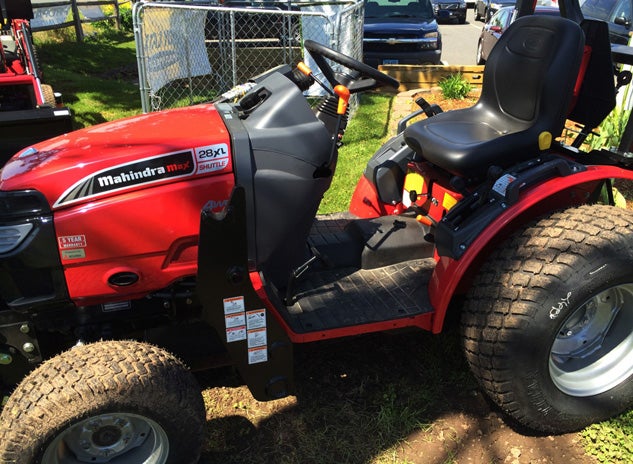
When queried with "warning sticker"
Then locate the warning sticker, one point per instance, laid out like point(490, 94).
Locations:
point(234, 320)
point(256, 337)
point(501, 185)
point(233, 305)
point(235, 334)
point(256, 319)
point(257, 355)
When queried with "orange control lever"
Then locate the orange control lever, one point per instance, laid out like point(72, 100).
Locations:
point(343, 98)
point(301, 66)
point(304, 69)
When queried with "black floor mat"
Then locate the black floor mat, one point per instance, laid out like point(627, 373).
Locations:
point(336, 298)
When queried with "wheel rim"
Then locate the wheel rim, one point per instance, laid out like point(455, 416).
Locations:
point(592, 351)
point(117, 438)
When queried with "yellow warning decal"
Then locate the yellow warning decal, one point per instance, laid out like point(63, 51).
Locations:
point(448, 202)
point(413, 181)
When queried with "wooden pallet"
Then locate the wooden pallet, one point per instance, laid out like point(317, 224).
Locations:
point(427, 76)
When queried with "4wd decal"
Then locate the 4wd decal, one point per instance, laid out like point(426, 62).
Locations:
point(128, 175)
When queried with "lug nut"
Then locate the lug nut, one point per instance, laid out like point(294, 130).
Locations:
point(28, 347)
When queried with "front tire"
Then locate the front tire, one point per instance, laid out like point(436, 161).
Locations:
point(548, 323)
point(115, 402)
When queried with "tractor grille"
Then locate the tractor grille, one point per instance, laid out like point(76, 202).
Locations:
point(30, 268)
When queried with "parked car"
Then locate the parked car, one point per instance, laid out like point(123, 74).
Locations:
point(447, 10)
point(617, 13)
point(497, 25)
point(401, 32)
point(484, 9)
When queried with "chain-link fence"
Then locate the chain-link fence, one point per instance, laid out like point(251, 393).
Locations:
point(190, 53)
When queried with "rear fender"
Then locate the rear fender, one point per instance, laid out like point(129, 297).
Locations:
point(365, 201)
point(379, 189)
point(453, 276)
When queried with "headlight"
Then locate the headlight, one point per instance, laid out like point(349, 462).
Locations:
point(12, 236)
point(429, 41)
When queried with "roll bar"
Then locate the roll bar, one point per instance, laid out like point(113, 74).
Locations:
point(568, 9)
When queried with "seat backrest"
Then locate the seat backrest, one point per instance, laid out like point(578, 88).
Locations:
point(530, 73)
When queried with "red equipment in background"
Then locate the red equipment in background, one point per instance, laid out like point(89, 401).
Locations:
point(28, 109)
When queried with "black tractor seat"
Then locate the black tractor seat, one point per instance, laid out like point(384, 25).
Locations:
point(526, 95)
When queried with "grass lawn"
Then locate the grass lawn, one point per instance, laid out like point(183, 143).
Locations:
point(97, 78)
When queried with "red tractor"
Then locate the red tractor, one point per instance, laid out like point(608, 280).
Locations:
point(29, 112)
point(200, 225)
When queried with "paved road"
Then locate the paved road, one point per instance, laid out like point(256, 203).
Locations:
point(460, 40)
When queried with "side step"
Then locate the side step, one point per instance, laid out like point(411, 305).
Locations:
point(335, 298)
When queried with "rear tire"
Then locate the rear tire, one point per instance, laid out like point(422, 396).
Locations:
point(548, 323)
point(115, 402)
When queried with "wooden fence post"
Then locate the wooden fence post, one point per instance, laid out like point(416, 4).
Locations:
point(117, 15)
point(77, 20)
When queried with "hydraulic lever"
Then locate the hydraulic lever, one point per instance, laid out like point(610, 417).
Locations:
point(301, 66)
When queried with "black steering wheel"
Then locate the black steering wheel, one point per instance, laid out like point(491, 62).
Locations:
point(370, 77)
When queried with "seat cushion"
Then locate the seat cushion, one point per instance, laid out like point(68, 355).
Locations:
point(466, 142)
point(527, 89)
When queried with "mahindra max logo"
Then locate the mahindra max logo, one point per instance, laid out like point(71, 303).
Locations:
point(123, 176)
point(212, 158)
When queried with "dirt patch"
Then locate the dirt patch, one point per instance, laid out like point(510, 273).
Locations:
point(405, 398)
point(446, 104)
point(485, 438)
point(404, 103)
point(126, 73)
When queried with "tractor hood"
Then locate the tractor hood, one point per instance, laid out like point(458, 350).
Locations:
point(125, 155)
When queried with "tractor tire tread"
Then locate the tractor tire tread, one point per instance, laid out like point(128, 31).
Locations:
point(85, 377)
point(544, 248)
point(49, 95)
